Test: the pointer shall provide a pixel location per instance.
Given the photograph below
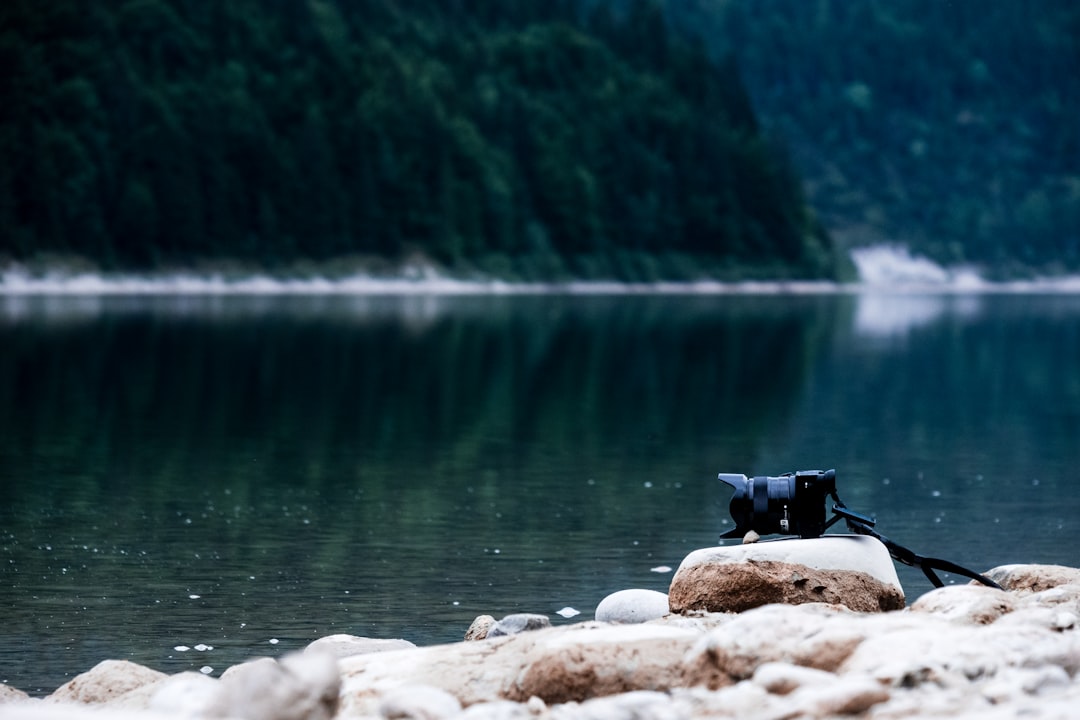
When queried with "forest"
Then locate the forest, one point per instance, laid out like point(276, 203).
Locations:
point(506, 137)
point(951, 127)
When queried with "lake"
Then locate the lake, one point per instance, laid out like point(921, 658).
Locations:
point(189, 481)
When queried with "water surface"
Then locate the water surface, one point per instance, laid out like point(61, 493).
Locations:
point(246, 474)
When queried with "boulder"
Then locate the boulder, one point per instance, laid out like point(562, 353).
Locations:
point(850, 570)
point(1033, 578)
point(187, 693)
point(301, 686)
point(345, 645)
point(977, 604)
point(479, 628)
point(632, 606)
point(106, 681)
point(558, 664)
point(518, 623)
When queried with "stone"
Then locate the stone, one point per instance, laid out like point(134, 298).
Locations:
point(632, 606)
point(106, 681)
point(607, 661)
point(815, 636)
point(10, 694)
point(850, 570)
point(558, 664)
point(418, 702)
point(518, 623)
point(187, 693)
point(300, 686)
point(1033, 578)
point(479, 628)
point(190, 694)
point(343, 645)
point(979, 604)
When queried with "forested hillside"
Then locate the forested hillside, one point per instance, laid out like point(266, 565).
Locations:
point(519, 138)
point(951, 126)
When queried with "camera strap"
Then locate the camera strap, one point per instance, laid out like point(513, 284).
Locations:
point(862, 525)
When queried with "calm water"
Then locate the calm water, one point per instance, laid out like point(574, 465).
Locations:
point(250, 474)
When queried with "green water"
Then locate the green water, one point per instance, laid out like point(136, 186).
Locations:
point(251, 473)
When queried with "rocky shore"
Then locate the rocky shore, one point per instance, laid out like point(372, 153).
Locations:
point(820, 641)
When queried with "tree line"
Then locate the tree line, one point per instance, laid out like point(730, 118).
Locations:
point(951, 126)
point(520, 138)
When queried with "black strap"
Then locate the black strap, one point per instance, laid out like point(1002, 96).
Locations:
point(926, 564)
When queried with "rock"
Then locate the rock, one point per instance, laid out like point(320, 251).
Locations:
point(607, 661)
point(518, 623)
point(850, 570)
point(10, 694)
point(947, 654)
point(419, 702)
point(190, 694)
point(479, 628)
point(1033, 578)
point(187, 693)
point(561, 664)
point(815, 636)
point(345, 645)
point(632, 606)
point(106, 681)
point(253, 666)
point(977, 604)
point(301, 686)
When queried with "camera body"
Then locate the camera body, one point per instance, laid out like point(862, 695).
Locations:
point(789, 504)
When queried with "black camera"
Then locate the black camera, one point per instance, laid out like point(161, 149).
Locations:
point(789, 504)
point(794, 504)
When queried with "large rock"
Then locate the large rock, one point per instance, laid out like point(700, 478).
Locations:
point(560, 664)
point(10, 694)
point(968, 603)
point(301, 686)
point(850, 570)
point(106, 681)
point(632, 606)
point(1033, 578)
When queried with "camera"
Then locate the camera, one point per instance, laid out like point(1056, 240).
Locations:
point(794, 504)
point(789, 504)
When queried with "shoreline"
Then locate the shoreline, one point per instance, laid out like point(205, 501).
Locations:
point(961, 651)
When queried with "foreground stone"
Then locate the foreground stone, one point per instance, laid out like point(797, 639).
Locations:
point(850, 570)
point(632, 606)
point(959, 652)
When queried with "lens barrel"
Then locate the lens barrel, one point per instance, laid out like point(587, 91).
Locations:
point(791, 504)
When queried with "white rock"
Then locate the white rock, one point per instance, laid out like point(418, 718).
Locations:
point(298, 687)
point(106, 681)
point(851, 570)
point(632, 606)
point(10, 694)
point(187, 694)
point(858, 553)
point(1033, 578)
point(572, 662)
point(977, 604)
